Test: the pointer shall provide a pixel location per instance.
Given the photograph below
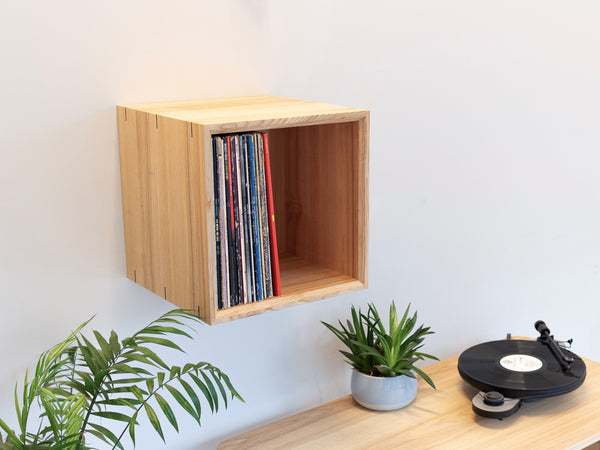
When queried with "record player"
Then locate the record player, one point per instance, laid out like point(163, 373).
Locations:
point(514, 371)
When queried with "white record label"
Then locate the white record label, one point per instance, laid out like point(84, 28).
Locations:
point(521, 363)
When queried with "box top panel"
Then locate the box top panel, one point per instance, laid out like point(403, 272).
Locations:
point(263, 108)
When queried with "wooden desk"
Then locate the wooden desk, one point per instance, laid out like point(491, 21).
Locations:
point(440, 419)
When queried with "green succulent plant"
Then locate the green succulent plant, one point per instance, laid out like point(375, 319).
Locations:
point(375, 351)
point(78, 386)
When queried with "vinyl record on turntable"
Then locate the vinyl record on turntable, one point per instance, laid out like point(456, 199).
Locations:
point(511, 372)
point(519, 369)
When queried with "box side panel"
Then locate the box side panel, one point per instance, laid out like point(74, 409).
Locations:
point(322, 210)
point(133, 152)
point(362, 221)
point(202, 223)
point(320, 185)
point(167, 206)
point(282, 149)
point(327, 164)
point(170, 210)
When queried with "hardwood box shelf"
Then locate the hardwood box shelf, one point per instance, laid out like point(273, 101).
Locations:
point(319, 165)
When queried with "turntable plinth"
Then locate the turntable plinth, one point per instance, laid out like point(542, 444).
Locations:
point(440, 419)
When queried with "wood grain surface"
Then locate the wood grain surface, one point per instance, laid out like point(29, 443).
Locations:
point(439, 419)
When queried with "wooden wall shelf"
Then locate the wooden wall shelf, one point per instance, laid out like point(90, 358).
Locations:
point(319, 163)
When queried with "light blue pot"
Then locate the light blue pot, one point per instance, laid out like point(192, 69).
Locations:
point(383, 393)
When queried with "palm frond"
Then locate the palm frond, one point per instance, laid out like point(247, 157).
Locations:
point(79, 381)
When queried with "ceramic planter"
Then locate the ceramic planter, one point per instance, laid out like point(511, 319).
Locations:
point(383, 393)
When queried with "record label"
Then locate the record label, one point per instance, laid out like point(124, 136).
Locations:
point(521, 363)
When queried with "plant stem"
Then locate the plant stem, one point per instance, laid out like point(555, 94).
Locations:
point(143, 403)
point(87, 417)
point(93, 400)
point(125, 346)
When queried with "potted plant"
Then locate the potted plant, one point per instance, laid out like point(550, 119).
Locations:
point(80, 388)
point(384, 375)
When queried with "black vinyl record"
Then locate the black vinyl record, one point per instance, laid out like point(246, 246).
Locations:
point(520, 369)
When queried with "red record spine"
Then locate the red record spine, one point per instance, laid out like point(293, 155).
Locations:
point(230, 183)
point(271, 210)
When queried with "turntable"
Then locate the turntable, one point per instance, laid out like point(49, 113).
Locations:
point(511, 372)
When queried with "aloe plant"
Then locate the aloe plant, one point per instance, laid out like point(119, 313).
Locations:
point(78, 385)
point(377, 351)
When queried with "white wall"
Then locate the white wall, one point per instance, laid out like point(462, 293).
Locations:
point(484, 183)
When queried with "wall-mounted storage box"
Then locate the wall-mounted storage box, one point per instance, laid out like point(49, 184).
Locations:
point(319, 165)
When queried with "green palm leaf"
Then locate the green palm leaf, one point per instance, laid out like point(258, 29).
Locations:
point(155, 329)
point(194, 397)
point(107, 350)
point(167, 411)
point(112, 415)
point(154, 420)
point(131, 427)
point(207, 395)
point(105, 434)
point(12, 437)
point(122, 401)
point(211, 389)
point(182, 401)
point(158, 341)
point(234, 393)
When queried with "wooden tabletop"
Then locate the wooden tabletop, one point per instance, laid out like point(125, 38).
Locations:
point(441, 419)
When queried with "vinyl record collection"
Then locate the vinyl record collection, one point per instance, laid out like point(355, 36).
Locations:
point(247, 263)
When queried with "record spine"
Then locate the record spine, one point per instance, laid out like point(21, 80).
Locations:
point(216, 205)
point(276, 277)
